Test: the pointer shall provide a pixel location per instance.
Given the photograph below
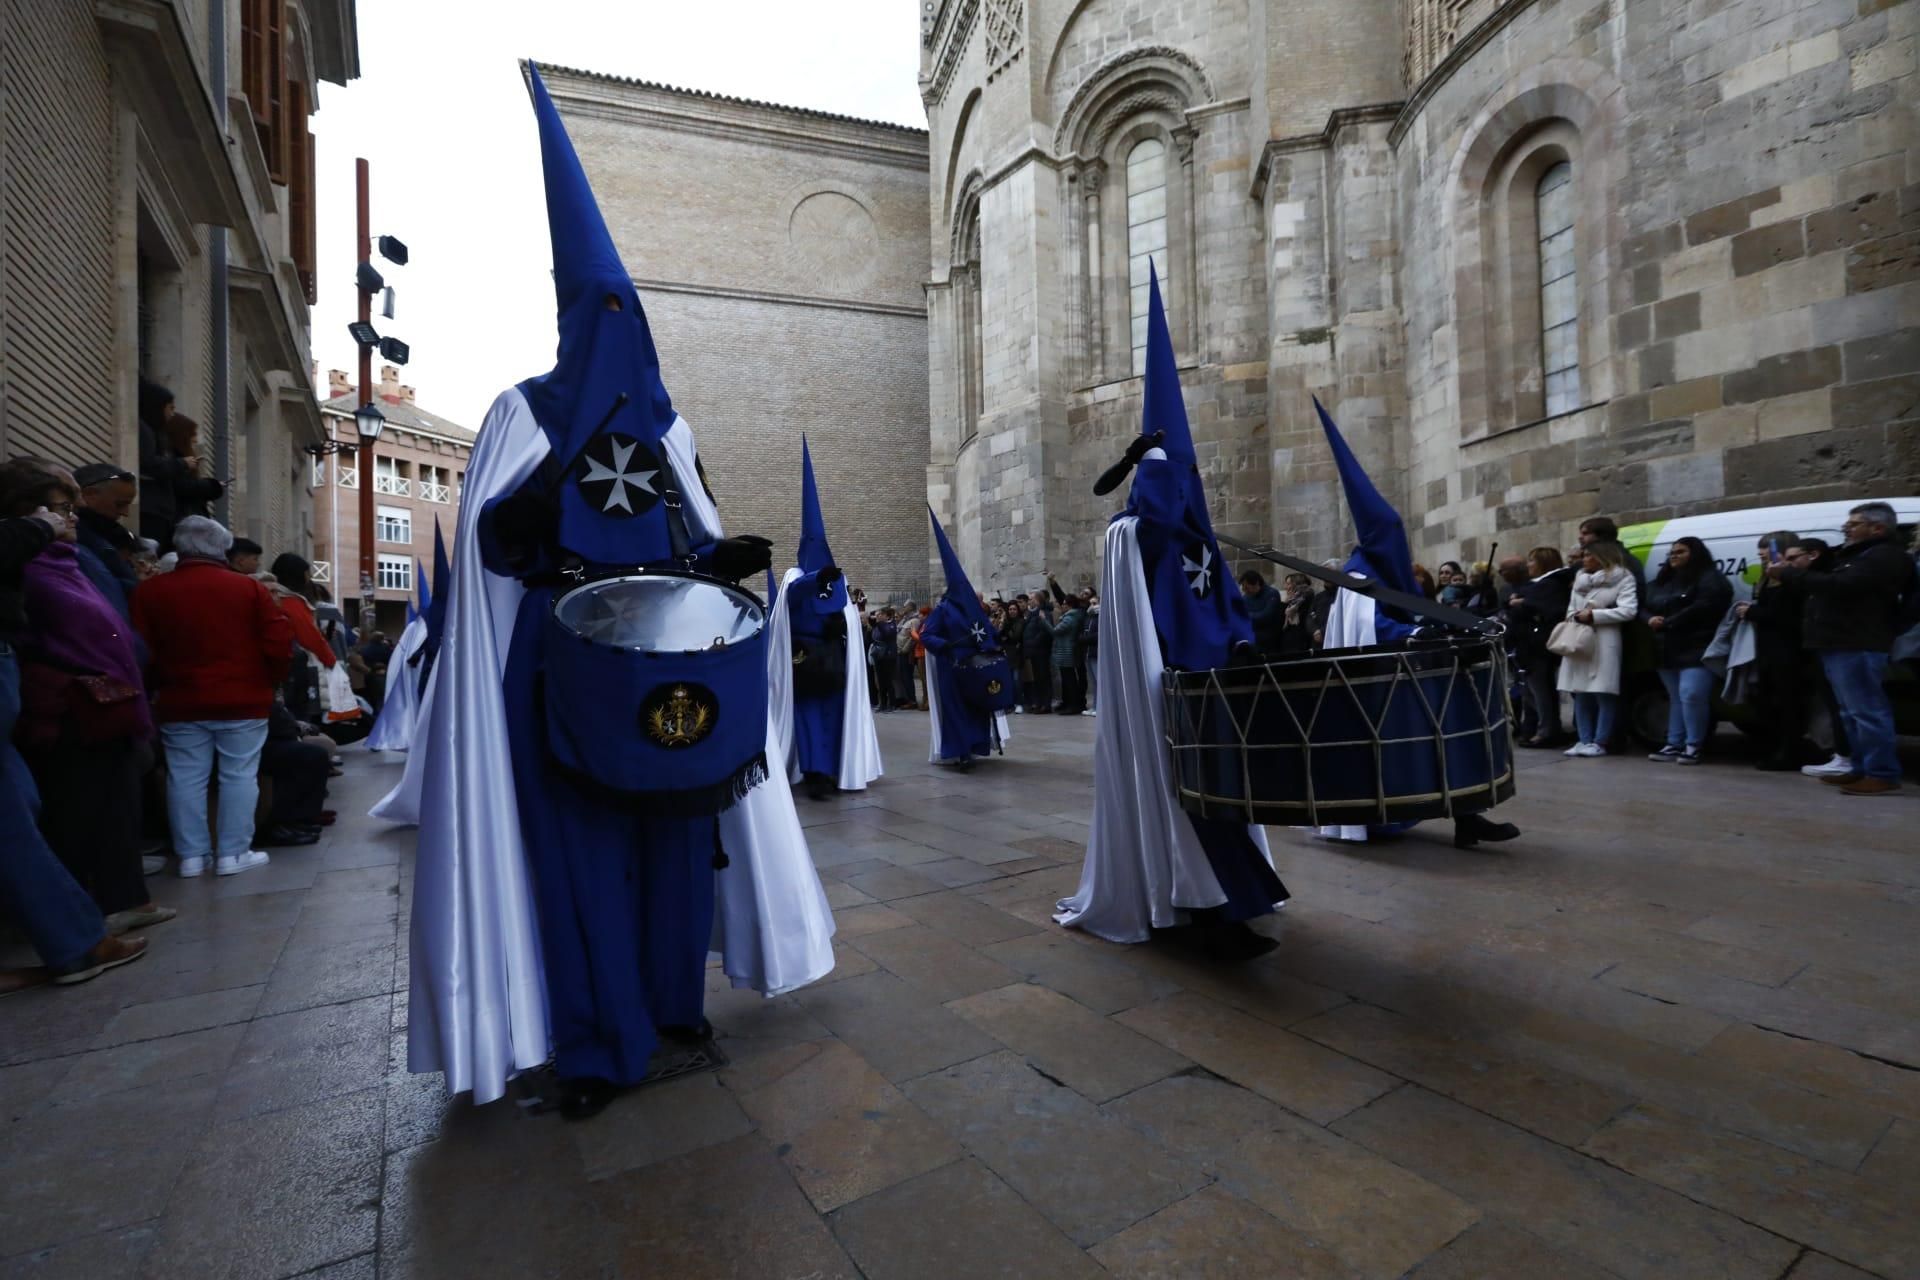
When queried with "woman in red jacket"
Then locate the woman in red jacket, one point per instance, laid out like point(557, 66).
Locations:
point(220, 646)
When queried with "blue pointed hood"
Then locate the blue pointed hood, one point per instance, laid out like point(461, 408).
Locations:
point(960, 593)
point(1165, 410)
point(1198, 612)
point(605, 388)
point(814, 553)
point(1382, 551)
point(434, 607)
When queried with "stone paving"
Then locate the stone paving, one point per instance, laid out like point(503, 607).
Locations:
point(1671, 1032)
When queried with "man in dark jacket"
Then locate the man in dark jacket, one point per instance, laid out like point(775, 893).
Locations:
point(106, 496)
point(168, 481)
point(58, 916)
point(1781, 678)
point(1266, 609)
point(1036, 645)
point(298, 769)
point(1535, 606)
point(1849, 621)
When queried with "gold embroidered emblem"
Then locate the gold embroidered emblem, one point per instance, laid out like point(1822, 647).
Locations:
point(993, 687)
point(682, 716)
point(799, 656)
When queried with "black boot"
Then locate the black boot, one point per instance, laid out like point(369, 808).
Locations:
point(585, 1097)
point(1470, 829)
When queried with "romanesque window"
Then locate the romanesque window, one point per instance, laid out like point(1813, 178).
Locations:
point(969, 329)
point(1559, 292)
point(1146, 234)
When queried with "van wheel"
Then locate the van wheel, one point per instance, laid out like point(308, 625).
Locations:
point(1647, 707)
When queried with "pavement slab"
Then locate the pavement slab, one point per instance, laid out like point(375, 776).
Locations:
point(1583, 1054)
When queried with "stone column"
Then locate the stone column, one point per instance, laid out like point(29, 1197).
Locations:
point(1093, 175)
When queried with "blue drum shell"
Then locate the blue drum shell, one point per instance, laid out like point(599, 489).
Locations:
point(1349, 737)
point(600, 705)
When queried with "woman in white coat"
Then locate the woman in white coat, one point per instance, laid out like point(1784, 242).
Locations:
point(1604, 600)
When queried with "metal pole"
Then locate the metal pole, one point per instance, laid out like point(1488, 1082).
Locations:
point(363, 252)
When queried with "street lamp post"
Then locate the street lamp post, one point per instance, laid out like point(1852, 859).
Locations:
point(363, 249)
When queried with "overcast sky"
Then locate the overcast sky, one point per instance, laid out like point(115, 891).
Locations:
point(442, 117)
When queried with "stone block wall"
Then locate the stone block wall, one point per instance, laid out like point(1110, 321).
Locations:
point(1749, 268)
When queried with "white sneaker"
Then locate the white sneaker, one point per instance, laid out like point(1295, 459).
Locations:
point(1086, 713)
point(190, 867)
point(1838, 767)
point(1591, 749)
point(152, 864)
point(1577, 749)
point(242, 862)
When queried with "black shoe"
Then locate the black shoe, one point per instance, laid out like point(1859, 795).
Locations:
point(1470, 829)
point(585, 1097)
point(819, 786)
point(286, 838)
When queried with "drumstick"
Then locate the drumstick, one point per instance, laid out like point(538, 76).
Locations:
point(1361, 584)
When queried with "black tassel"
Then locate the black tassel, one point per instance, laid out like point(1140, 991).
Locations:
point(697, 802)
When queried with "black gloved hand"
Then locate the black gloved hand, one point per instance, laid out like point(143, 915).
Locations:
point(828, 576)
point(1110, 478)
point(739, 558)
point(525, 523)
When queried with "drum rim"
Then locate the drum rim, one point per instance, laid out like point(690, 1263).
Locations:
point(687, 575)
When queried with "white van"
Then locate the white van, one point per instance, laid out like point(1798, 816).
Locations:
point(1733, 539)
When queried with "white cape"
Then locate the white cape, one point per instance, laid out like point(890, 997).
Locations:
point(393, 729)
point(1349, 626)
point(478, 993)
point(1145, 865)
point(859, 746)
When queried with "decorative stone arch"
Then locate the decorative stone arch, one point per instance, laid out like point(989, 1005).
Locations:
point(1563, 109)
point(964, 277)
point(961, 122)
point(1140, 93)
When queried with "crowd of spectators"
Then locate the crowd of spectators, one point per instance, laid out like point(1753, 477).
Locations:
point(160, 694)
point(1051, 637)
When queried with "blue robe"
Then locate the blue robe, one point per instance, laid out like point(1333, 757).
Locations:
point(625, 897)
point(960, 732)
point(819, 721)
point(1198, 617)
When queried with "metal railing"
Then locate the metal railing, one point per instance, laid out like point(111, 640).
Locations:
point(349, 477)
point(396, 486)
point(435, 492)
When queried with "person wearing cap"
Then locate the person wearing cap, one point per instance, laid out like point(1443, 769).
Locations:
point(106, 496)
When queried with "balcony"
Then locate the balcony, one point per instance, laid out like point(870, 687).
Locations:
point(320, 571)
point(435, 492)
point(393, 486)
point(349, 477)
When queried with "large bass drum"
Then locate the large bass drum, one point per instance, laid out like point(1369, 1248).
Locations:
point(655, 686)
point(1346, 737)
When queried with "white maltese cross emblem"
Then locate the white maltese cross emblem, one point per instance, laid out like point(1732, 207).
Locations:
point(619, 476)
point(1199, 572)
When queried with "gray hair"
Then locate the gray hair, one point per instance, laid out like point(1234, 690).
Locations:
point(1876, 513)
point(199, 536)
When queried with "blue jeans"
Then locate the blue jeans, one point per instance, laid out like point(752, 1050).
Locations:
point(1856, 676)
point(60, 918)
point(1593, 716)
point(1689, 705)
point(194, 747)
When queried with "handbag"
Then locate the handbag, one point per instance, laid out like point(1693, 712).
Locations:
point(79, 707)
point(985, 681)
point(1570, 639)
point(337, 699)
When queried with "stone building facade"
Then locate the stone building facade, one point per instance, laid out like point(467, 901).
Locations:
point(157, 221)
point(780, 253)
point(1540, 258)
point(419, 469)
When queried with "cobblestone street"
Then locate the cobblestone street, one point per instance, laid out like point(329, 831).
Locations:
point(1669, 1032)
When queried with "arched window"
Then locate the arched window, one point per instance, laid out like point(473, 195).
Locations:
point(1146, 233)
point(1559, 290)
point(969, 334)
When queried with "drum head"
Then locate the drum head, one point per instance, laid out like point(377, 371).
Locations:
point(660, 613)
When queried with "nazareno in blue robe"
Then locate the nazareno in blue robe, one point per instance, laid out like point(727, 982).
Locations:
point(961, 732)
point(819, 720)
